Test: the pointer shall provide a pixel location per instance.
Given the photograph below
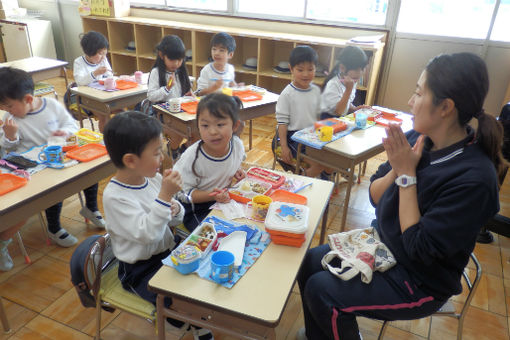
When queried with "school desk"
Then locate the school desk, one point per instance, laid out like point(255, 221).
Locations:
point(50, 186)
point(40, 68)
point(345, 153)
point(253, 307)
point(104, 102)
point(184, 124)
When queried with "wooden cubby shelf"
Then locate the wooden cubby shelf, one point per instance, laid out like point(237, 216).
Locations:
point(270, 48)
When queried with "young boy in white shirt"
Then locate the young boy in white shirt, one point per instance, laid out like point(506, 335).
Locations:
point(218, 73)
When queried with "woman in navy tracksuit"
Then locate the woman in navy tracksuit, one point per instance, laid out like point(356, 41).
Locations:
point(430, 226)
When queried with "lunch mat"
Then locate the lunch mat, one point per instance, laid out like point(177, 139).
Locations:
point(252, 251)
point(308, 136)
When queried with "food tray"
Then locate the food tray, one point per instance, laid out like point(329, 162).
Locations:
point(203, 237)
point(87, 152)
point(247, 95)
point(289, 197)
point(190, 107)
point(86, 136)
point(10, 182)
point(122, 84)
point(385, 118)
point(336, 124)
point(264, 175)
point(248, 187)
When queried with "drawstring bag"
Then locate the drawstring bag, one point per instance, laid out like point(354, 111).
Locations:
point(361, 251)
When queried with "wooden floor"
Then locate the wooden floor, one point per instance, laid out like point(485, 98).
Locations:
point(41, 302)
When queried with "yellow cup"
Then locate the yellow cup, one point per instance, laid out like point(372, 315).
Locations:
point(260, 206)
point(325, 133)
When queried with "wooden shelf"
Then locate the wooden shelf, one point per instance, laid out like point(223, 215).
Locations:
point(270, 48)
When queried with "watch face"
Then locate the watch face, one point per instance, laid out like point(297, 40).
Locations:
point(403, 180)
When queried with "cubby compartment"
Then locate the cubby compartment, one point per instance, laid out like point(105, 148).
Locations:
point(362, 85)
point(246, 47)
point(147, 38)
point(203, 48)
point(185, 35)
point(272, 52)
point(123, 64)
point(325, 54)
point(121, 36)
point(146, 64)
point(247, 78)
point(91, 24)
point(273, 84)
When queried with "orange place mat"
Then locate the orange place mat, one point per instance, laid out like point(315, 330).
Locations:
point(190, 107)
point(288, 197)
point(247, 95)
point(87, 152)
point(10, 182)
point(125, 84)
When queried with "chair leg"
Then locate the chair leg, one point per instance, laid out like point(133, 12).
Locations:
point(98, 319)
point(82, 205)
point(44, 227)
point(22, 247)
point(383, 330)
point(3, 317)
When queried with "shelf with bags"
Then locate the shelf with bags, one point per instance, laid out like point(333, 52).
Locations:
point(122, 38)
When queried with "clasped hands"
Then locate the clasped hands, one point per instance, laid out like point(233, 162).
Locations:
point(402, 157)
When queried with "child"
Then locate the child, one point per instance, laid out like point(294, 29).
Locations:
point(93, 65)
point(30, 122)
point(169, 79)
point(218, 73)
point(298, 105)
point(340, 85)
point(214, 160)
point(139, 202)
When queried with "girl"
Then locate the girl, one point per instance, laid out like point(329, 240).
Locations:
point(214, 160)
point(438, 188)
point(339, 88)
point(169, 79)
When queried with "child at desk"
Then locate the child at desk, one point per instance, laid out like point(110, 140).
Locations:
point(139, 203)
point(298, 107)
point(93, 65)
point(30, 122)
point(218, 73)
point(214, 160)
point(339, 89)
point(169, 79)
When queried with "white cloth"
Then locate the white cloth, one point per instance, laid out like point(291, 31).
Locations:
point(82, 70)
point(137, 220)
point(209, 75)
point(156, 93)
point(213, 172)
point(36, 127)
point(298, 108)
point(332, 94)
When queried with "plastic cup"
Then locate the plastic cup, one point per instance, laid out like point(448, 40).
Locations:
point(361, 119)
point(222, 266)
point(175, 105)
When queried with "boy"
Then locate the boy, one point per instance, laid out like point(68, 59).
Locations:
point(30, 122)
point(139, 202)
point(298, 106)
point(218, 73)
point(93, 65)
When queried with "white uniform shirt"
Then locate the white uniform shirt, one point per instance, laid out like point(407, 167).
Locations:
point(137, 220)
point(82, 70)
point(209, 75)
point(36, 127)
point(156, 93)
point(213, 172)
point(332, 94)
point(298, 108)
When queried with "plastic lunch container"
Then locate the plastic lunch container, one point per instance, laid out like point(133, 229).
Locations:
point(287, 223)
point(276, 180)
point(247, 188)
point(186, 259)
point(202, 238)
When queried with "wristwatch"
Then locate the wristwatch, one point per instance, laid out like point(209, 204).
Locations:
point(404, 181)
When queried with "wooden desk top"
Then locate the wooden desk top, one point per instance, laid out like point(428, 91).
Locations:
point(262, 293)
point(268, 98)
point(107, 96)
point(359, 142)
point(47, 181)
point(35, 64)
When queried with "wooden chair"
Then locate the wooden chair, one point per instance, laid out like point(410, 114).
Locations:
point(72, 107)
point(101, 277)
point(448, 309)
point(3, 317)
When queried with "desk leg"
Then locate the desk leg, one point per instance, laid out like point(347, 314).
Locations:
point(298, 160)
point(324, 224)
point(3, 316)
point(251, 131)
point(160, 316)
point(350, 182)
point(64, 70)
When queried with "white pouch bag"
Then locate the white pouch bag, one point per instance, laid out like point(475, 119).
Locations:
point(361, 251)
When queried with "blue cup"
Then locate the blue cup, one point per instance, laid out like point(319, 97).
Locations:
point(51, 154)
point(361, 119)
point(222, 266)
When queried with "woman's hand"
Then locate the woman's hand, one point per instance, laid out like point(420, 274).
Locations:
point(403, 159)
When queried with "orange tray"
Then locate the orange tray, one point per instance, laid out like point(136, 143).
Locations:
point(247, 96)
point(125, 84)
point(286, 240)
point(386, 118)
point(190, 107)
point(288, 197)
point(10, 182)
point(336, 124)
point(87, 152)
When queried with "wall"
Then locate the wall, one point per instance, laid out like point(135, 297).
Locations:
point(409, 57)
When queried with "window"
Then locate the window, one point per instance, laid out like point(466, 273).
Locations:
point(214, 5)
point(455, 18)
point(292, 8)
point(360, 11)
point(148, 2)
point(501, 28)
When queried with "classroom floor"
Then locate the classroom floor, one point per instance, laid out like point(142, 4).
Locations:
point(41, 302)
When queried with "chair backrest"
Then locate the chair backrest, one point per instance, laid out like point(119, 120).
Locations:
point(99, 260)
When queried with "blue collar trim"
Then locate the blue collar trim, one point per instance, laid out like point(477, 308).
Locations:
point(42, 108)
point(217, 159)
point(301, 90)
point(87, 62)
point(132, 187)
